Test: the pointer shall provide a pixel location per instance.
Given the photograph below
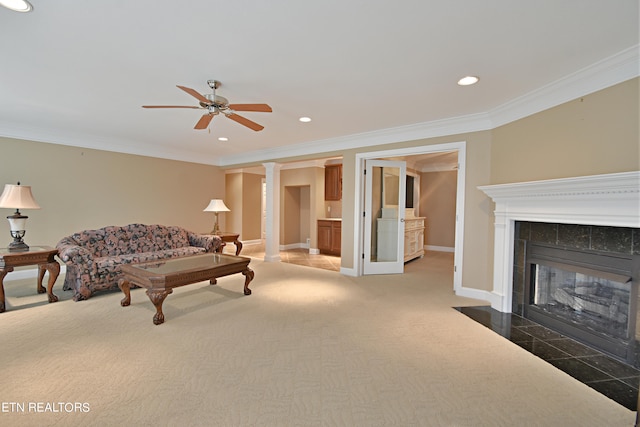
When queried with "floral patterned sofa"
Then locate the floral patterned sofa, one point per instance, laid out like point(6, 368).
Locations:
point(93, 257)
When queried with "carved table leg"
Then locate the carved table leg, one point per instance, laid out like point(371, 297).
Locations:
point(238, 244)
point(41, 271)
point(54, 270)
point(157, 298)
point(248, 274)
point(125, 287)
point(213, 281)
point(3, 272)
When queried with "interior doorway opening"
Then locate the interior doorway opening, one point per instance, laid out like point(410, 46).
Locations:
point(459, 149)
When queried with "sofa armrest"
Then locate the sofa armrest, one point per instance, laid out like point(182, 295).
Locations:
point(209, 242)
point(70, 252)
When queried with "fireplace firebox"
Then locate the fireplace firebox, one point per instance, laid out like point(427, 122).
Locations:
point(588, 295)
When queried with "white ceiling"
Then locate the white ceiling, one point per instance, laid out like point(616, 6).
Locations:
point(77, 73)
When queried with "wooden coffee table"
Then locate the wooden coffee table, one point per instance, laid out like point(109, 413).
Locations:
point(160, 277)
point(43, 256)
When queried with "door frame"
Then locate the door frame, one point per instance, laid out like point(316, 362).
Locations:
point(359, 223)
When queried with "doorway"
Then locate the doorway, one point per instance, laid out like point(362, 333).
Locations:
point(360, 223)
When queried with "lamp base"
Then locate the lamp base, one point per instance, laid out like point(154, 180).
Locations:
point(18, 246)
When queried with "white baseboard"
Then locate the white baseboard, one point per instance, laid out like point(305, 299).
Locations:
point(348, 271)
point(293, 246)
point(480, 294)
point(252, 242)
point(314, 251)
point(439, 248)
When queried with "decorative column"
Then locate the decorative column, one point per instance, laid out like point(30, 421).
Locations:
point(272, 221)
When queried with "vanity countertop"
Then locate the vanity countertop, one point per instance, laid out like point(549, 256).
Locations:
point(329, 219)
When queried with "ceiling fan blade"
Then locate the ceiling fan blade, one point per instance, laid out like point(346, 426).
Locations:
point(246, 122)
point(195, 94)
point(261, 108)
point(204, 121)
point(169, 106)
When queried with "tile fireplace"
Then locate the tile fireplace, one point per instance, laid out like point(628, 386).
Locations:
point(566, 255)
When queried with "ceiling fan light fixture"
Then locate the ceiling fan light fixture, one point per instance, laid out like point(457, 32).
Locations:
point(305, 119)
point(17, 5)
point(468, 80)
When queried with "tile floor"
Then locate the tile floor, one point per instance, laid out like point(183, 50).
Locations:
point(614, 379)
point(298, 256)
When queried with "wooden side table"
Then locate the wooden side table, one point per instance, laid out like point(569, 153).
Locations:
point(230, 237)
point(43, 256)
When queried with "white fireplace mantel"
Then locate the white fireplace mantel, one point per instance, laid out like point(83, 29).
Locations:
point(608, 200)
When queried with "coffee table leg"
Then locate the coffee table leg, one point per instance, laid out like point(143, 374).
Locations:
point(248, 274)
point(54, 270)
point(157, 298)
point(125, 287)
point(3, 272)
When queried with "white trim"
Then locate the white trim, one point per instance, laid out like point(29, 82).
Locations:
point(608, 200)
point(439, 248)
point(620, 67)
point(358, 222)
point(348, 271)
point(293, 246)
point(607, 72)
point(252, 242)
point(615, 69)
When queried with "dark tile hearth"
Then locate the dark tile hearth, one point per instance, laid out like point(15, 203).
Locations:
point(613, 378)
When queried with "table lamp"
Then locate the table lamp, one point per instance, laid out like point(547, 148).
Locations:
point(216, 206)
point(18, 197)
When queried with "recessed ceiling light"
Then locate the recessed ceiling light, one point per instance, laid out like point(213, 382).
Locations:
point(17, 5)
point(468, 80)
point(305, 119)
point(223, 138)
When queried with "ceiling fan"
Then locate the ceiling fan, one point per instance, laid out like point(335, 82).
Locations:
point(215, 104)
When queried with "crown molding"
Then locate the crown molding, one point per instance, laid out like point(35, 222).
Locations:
point(450, 126)
point(98, 142)
point(618, 68)
point(610, 71)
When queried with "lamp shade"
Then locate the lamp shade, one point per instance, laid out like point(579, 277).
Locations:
point(216, 205)
point(18, 197)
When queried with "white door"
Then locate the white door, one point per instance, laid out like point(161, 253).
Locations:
point(385, 183)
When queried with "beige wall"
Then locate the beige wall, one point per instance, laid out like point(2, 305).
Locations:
point(592, 135)
point(438, 204)
point(244, 200)
point(252, 207)
point(313, 178)
point(235, 202)
point(79, 188)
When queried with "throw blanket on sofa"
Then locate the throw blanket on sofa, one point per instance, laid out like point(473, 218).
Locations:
point(93, 257)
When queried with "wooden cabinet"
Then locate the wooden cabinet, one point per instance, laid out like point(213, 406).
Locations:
point(413, 238)
point(329, 236)
point(333, 182)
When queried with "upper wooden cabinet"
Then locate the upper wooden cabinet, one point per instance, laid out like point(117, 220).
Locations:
point(333, 182)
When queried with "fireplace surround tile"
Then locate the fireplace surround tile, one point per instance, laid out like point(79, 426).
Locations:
point(611, 239)
point(574, 236)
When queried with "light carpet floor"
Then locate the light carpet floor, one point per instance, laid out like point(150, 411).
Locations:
point(310, 347)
